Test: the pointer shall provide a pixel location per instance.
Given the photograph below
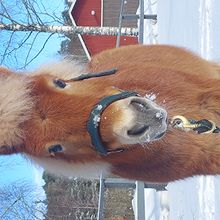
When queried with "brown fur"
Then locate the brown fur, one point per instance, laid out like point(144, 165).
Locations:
point(184, 84)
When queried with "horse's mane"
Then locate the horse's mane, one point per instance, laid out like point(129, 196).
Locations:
point(15, 107)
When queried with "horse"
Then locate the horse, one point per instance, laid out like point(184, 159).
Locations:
point(122, 113)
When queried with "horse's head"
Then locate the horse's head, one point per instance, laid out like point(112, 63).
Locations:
point(74, 116)
point(69, 118)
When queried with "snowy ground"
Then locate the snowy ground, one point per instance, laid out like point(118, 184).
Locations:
point(194, 25)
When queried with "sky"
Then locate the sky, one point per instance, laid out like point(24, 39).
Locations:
point(17, 59)
point(15, 168)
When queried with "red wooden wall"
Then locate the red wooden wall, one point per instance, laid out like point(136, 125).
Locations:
point(82, 14)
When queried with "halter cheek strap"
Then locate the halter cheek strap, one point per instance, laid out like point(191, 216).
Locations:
point(93, 124)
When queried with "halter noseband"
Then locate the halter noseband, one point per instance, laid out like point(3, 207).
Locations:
point(93, 124)
point(95, 117)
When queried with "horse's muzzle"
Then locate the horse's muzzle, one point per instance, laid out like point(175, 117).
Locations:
point(150, 120)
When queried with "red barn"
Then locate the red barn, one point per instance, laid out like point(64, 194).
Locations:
point(101, 13)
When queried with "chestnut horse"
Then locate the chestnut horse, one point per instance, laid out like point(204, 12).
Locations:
point(118, 123)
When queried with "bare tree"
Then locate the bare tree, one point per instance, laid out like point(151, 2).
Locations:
point(19, 201)
point(29, 43)
point(29, 21)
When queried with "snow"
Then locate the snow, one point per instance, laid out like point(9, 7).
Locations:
point(151, 96)
point(96, 120)
point(99, 107)
point(194, 25)
point(96, 116)
point(159, 115)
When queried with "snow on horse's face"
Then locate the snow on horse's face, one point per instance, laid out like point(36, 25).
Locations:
point(63, 108)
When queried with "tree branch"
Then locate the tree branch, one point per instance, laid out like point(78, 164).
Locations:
point(23, 41)
point(26, 64)
point(8, 45)
point(7, 16)
point(112, 31)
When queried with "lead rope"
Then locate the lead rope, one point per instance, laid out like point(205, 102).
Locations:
point(203, 126)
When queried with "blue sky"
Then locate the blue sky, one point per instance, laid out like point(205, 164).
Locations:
point(17, 58)
point(13, 168)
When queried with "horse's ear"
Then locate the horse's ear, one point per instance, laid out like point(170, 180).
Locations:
point(5, 71)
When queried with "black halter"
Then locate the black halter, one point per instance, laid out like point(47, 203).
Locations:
point(93, 123)
point(95, 117)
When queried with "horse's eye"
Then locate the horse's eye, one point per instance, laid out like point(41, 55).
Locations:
point(56, 148)
point(59, 83)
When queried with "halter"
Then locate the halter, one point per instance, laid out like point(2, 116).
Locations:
point(203, 126)
point(93, 124)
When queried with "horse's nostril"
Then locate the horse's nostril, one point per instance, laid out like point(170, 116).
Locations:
point(138, 129)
